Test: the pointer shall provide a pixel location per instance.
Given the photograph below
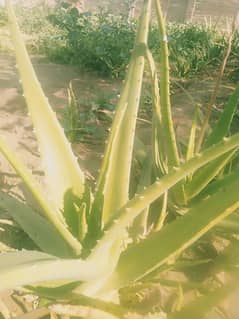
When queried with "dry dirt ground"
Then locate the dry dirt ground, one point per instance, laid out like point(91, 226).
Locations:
point(17, 130)
point(15, 125)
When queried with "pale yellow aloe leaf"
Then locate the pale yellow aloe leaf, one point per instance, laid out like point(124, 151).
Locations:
point(32, 267)
point(71, 245)
point(61, 168)
point(112, 189)
point(116, 187)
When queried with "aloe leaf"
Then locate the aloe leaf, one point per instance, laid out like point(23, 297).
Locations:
point(167, 123)
point(192, 137)
point(96, 214)
point(113, 183)
point(82, 222)
point(25, 257)
point(212, 101)
point(168, 133)
point(30, 267)
point(216, 185)
point(161, 247)
point(58, 291)
point(136, 205)
point(61, 168)
point(222, 126)
point(163, 214)
point(121, 156)
point(158, 141)
point(72, 114)
point(202, 178)
point(45, 236)
point(50, 212)
point(140, 224)
point(230, 224)
point(198, 308)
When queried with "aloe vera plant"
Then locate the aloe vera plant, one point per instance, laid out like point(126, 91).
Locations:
point(86, 255)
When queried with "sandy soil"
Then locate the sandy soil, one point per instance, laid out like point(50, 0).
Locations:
point(15, 125)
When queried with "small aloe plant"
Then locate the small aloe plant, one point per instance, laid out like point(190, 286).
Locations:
point(86, 252)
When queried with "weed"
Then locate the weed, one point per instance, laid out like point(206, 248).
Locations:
point(80, 118)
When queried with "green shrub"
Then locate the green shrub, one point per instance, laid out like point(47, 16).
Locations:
point(80, 124)
point(91, 39)
point(41, 36)
point(102, 42)
point(193, 48)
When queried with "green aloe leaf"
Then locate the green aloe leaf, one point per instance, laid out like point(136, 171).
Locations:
point(158, 144)
point(216, 185)
point(167, 122)
point(168, 133)
point(82, 222)
point(121, 153)
point(192, 137)
point(125, 216)
point(222, 127)
point(139, 227)
point(24, 257)
point(59, 291)
point(30, 267)
point(38, 228)
point(113, 183)
point(203, 177)
point(230, 224)
point(163, 246)
point(48, 209)
point(61, 168)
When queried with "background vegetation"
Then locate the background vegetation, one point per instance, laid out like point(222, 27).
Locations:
point(88, 40)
